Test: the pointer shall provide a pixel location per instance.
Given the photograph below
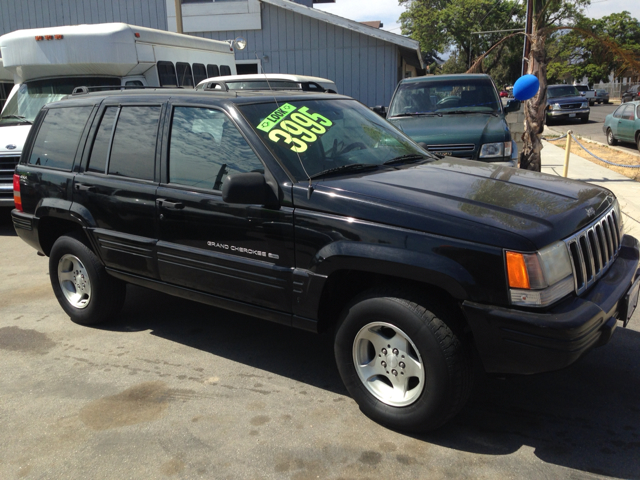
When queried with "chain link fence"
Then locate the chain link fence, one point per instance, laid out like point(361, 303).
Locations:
point(613, 89)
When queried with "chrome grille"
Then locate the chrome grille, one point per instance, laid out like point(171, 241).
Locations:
point(570, 106)
point(594, 249)
point(465, 147)
point(7, 167)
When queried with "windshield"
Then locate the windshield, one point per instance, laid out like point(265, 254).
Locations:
point(31, 96)
point(440, 96)
point(328, 134)
point(564, 91)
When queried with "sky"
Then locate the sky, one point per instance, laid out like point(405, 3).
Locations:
point(388, 11)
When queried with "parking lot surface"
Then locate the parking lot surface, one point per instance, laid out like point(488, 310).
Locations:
point(593, 129)
point(174, 389)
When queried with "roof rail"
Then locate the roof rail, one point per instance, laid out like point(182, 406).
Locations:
point(85, 90)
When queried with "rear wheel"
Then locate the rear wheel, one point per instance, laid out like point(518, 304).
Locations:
point(400, 359)
point(611, 140)
point(85, 291)
point(638, 140)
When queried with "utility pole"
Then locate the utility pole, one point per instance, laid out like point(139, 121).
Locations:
point(528, 29)
point(179, 16)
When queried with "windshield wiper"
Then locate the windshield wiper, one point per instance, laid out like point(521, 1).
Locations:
point(409, 158)
point(346, 168)
point(18, 117)
point(418, 114)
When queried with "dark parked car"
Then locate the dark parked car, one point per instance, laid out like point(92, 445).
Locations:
point(602, 96)
point(455, 115)
point(310, 210)
point(564, 102)
point(623, 124)
point(632, 93)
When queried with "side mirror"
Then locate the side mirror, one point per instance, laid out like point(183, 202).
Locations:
point(512, 106)
point(247, 189)
point(582, 94)
point(380, 110)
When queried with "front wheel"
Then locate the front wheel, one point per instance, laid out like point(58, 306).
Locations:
point(401, 361)
point(638, 141)
point(611, 140)
point(85, 291)
point(584, 119)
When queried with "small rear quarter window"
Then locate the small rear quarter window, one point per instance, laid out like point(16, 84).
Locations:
point(58, 137)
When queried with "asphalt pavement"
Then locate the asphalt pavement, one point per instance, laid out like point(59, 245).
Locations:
point(593, 129)
point(175, 389)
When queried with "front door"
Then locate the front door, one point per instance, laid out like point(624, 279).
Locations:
point(242, 252)
point(626, 124)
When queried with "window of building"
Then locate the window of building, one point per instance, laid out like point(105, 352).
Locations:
point(167, 74)
point(185, 78)
point(134, 142)
point(205, 146)
point(58, 137)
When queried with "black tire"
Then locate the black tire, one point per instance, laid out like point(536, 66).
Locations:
point(429, 327)
point(584, 119)
point(611, 140)
point(638, 141)
point(85, 291)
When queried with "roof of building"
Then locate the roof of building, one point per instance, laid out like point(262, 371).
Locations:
point(403, 42)
point(373, 23)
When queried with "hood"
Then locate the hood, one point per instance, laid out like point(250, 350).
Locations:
point(468, 200)
point(13, 135)
point(565, 100)
point(476, 128)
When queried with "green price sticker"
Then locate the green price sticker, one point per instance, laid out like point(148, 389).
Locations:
point(276, 117)
point(299, 130)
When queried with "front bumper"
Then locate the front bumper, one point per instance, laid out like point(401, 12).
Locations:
point(524, 342)
point(577, 112)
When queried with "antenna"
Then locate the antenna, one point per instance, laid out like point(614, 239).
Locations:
point(310, 188)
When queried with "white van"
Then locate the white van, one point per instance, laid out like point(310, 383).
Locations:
point(6, 83)
point(268, 81)
point(48, 63)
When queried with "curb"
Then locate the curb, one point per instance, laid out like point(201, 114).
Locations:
point(588, 140)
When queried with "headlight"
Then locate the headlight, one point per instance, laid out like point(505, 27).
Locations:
point(585, 104)
point(556, 106)
point(493, 150)
point(539, 279)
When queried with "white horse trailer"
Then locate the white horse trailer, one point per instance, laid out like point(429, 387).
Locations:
point(46, 64)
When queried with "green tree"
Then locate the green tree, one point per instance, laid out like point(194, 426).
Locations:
point(447, 25)
point(575, 55)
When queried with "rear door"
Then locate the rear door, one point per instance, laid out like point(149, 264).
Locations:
point(118, 185)
point(241, 252)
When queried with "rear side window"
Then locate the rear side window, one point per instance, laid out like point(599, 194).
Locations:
point(167, 74)
point(134, 142)
point(199, 73)
point(185, 79)
point(58, 137)
point(100, 150)
point(213, 71)
point(225, 70)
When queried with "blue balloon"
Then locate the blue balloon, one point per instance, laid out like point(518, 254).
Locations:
point(526, 87)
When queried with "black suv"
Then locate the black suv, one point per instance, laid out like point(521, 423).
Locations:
point(312, 211)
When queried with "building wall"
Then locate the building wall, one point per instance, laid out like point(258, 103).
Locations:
point(16, 15)
point(362, 67)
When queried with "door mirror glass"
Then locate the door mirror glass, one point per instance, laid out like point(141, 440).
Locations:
point(512, 106)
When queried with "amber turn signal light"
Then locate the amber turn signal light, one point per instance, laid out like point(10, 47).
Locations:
point(517, 271)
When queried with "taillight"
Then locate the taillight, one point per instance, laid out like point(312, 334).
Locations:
point(17, 199)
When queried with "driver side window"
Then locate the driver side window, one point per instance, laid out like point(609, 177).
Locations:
point(205, 146)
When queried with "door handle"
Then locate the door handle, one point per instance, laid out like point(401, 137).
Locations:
point(85, 188)
point(168, 204)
